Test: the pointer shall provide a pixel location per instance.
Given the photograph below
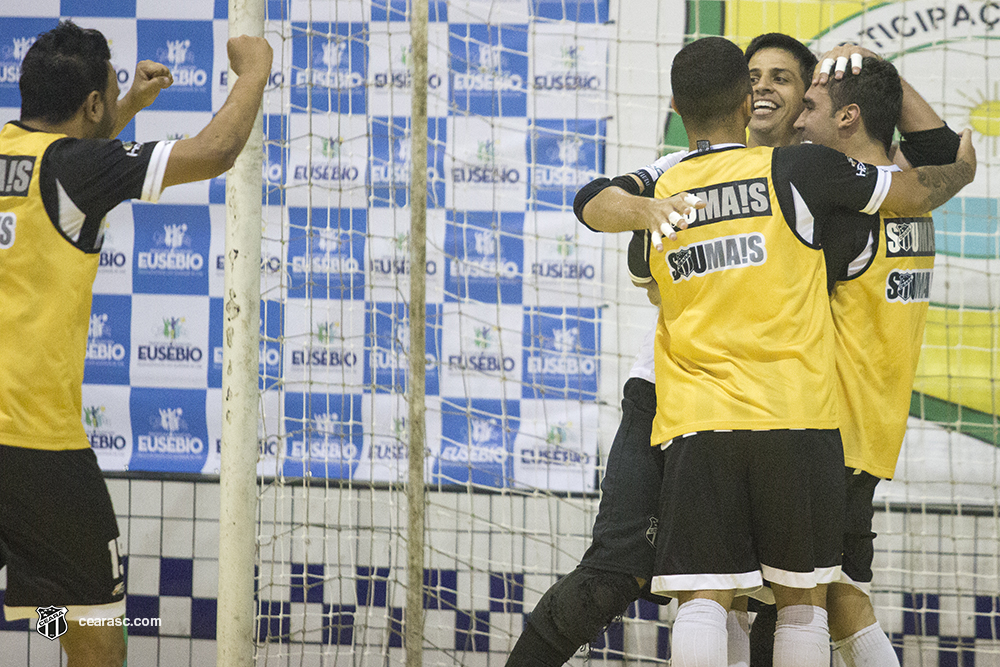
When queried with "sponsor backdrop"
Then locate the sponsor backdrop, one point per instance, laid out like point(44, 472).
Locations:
point(517, 123)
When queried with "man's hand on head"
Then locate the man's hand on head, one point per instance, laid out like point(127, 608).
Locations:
point(834, 62)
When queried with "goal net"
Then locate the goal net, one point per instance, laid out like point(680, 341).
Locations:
point(532, 324)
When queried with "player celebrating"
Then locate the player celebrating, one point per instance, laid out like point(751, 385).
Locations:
point(879, 309)
point(58, 533)
point(745, 420)
point(781, 69)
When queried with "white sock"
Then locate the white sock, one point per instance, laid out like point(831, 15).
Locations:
point(738, 632)
point(802, 637)
point(868, 647)
point(699, 635)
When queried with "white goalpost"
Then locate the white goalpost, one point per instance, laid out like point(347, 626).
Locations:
point(240, 413)
point(429, 349)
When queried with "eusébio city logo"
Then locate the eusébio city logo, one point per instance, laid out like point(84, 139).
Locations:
point(170, 430)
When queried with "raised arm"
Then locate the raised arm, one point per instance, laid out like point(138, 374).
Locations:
point(150, 78)
point(916, 115)
point(923, 189)
point(214, 150)
point(926, 140)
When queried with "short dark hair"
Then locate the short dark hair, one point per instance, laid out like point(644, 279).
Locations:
point(709, 79)
point(60, 70)
point(878, 93)
point(779, 40)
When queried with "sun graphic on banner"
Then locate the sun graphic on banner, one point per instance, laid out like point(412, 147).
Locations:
point(984, 117)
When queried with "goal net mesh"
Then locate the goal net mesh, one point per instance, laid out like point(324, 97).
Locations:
point(532, 324)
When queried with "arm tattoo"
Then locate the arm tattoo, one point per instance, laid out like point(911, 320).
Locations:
point(943, 181)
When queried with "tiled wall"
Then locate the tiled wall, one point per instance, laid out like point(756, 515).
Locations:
point(338, 593)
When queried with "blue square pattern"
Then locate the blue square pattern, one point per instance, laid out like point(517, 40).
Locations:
point(489, 69)
point(987, 617)
point(472, 631)
point(277, 10)
point(663, 643)
point(170, 430)
point(307, 582)
point(956, 652)
point(326, 253)
point(16, 37)
point(187, 48)
point(389, 164)
point(22, 625)
point(116, 8)
point(481, 442)
point(561, 349)
point(324, 435)
point(484, 256)
point(143, 606)
point(373, 586)
point(276, 153)
point(921, 615)
point(507, 592)
point(329, 67)
point(109, 340)
point(171, 249)
point(176, 576)
point(338, 624)
point(565, 155)
point(396, 631)
point(610, 644)
point(387, 347)
point(203, 618)
point(441, 589)
point(274, 621)
point(581, 11)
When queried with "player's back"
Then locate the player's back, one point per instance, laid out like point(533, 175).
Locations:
point(746, 340)
point(45, 296)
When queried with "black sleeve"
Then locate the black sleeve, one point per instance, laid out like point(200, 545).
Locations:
point(592, 189)
point(96, 175)
point(826, 181)
point(844, 239)
point(937, 146)
point(638, 257)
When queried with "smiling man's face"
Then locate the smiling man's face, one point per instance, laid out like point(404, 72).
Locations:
point(778, 90)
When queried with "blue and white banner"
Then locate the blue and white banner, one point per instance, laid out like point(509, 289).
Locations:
point(517, 121)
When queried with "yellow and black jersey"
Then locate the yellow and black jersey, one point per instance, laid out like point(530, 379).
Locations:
point(746, 338)
point(54, 194)
point(879, 311)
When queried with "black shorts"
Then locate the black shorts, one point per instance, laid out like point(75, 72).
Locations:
point(859, 540)
point(626, 524)
point(58, 534)
point(739, 507)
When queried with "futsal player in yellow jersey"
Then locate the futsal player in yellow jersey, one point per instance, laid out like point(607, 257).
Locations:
point(879, 306)
point(745, 489)
point(781, 68)
point(63, 172)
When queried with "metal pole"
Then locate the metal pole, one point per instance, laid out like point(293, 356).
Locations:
point(240, 354)
point(415, 492)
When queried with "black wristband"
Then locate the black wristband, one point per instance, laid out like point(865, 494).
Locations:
point(628, 184)
point(926, 147)
point(585, 194)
